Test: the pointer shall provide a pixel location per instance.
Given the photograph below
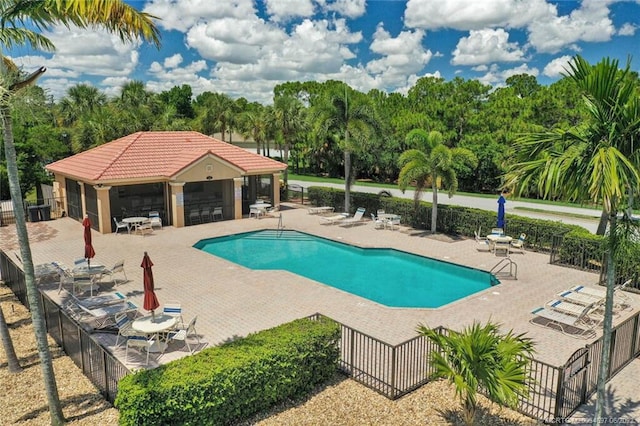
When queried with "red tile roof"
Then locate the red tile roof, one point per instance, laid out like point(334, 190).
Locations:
point(157, 154)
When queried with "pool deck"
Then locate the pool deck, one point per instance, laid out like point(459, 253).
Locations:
point(232, 301)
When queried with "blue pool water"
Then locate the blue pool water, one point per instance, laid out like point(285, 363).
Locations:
point(390, 277)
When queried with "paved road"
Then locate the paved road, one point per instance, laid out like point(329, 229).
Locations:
point(555, 212)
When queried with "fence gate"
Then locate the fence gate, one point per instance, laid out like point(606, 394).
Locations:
point(572, 387)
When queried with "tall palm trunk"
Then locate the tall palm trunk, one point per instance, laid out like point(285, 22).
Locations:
point(602, 224)
point(605, 357)
point(434, 207)
point(33, 296)
point(347, 180)
point(7, 345)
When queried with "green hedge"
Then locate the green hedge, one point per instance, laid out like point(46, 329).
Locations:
point(224, 384)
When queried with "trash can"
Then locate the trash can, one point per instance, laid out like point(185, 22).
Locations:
point(45, 212)
point(34, 214)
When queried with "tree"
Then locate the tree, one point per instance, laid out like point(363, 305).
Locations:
point(289, 117)
point(481, 359)
point(432, 163)
point(594, 161)
point(19, 23)
point(346, 116)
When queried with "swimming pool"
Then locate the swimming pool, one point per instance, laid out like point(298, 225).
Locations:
point(387, 276)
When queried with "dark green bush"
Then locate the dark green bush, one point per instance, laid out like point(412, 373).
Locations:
point(224, 384)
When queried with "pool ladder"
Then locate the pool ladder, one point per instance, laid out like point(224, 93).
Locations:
point(499, 269)
point(280, 226)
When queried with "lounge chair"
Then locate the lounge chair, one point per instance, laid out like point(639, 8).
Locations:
point(580, 324)
point(104, 317)
point(333, 219)
point(580, 298)
point(618, 293)
point(567, 307)
point(357, 218)
point(105, 299)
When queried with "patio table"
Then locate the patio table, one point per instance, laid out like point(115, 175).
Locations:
point(155, 324)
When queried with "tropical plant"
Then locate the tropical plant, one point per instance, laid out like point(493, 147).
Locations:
point(481, 359)
point(289, 117)
point(431, 163)
point(347, 117)
point(594, 161)
point(19, 22)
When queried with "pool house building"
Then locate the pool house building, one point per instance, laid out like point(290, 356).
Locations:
point(176, 173)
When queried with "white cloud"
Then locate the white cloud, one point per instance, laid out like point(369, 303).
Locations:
point(283, 10)
point(401, 56)
point(347, 8)
point(497, 77)
point(557, 67)
point(467, 15)
point(173, 61)
point(590, 22)
point(485, 46)
point(183, 14)
point(627, 29)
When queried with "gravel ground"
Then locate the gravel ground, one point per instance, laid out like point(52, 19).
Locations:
point(342, 402)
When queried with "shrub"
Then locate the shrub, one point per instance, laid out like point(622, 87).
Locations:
point(234, 381)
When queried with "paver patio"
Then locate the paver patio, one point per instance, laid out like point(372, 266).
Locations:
point(232, 301)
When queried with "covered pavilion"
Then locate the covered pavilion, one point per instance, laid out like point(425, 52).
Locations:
point(175, 173)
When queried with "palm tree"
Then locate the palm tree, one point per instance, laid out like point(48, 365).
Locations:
point(289, 117)
point(19, 22)
point(595, 161)
point(12, 359)
point(480, 358)
point(347, 117)
point(432, 163)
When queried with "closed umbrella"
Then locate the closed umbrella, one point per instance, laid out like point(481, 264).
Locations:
point(501, 203)
point(150, 300)
point(89, 252)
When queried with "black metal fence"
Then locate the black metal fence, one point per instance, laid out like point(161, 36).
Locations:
point(294, 194)
point(101, 367)
point(555, 392)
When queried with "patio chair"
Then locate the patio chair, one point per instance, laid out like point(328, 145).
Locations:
point(580, 324)
point(144, 228)
point(357, 218)
point(123, 323)
point(155, 219)
point(217, 212)
point(255, 212)
point(183, 334)
point(140, 342)
point(82, 282)
point(394, 222)
point(194, 217)
point(117, 268)
point(482, 244)
point(174, 309)
point(501, 248)
point(121, 225)
point(519, 243)
point(205, 214)
point(377, 223)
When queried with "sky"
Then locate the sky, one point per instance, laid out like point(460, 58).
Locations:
point(244, 48)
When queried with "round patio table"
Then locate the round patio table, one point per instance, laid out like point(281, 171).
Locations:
point(155, 324)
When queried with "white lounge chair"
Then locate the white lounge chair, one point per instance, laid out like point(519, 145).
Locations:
point(333, 219)
point(357, 218)
point(105, 316)
point(581, 325)
point(620, 298)
point(580, 298)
